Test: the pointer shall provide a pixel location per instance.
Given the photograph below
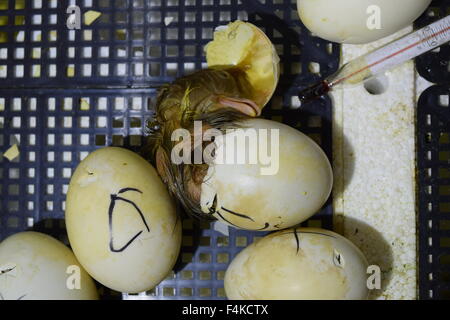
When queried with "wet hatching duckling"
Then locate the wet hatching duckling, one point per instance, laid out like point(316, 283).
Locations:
point(220, 98)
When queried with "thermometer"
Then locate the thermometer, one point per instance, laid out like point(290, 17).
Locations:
point(383, 59)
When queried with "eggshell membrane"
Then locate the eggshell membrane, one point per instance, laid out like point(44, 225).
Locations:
point(151, 256)
point(39, 266)
point(273, 269)
point(345, 21)
point(244, 45)
point(297, 191)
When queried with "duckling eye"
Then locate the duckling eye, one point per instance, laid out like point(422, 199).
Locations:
point(224, 75)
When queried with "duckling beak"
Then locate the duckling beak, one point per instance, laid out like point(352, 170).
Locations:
point(246, 106)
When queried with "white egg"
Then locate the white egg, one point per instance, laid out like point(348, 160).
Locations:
point(279, 183)
point(358, 21)
point(35, 266)
point(121, 221)
point(298, 264)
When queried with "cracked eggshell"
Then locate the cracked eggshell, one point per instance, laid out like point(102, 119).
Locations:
point(34, 266)
point(346, 21)
point(298, 264)
point(298, 186)
point(121, 221)
point(244, 45)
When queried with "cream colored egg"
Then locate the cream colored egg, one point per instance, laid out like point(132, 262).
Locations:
point(277, 184)
point(298, 264)
point(121, 221)
point(358, 21)
point(35, 266)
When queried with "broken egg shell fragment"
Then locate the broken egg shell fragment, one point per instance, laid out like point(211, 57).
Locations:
point(12, 153)
point(244, 45)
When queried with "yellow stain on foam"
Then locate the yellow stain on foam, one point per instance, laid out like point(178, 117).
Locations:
point(12, 153)
point(53, 36)
point(4, 20)
point(35, 54)
point(3, 37)
point(37, 71)
point(19, 20)
point(90, 16)
point(84, 105)
point(70, 71)
point(19, 4)
point(121, 34)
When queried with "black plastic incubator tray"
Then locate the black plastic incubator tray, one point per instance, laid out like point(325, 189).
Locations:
point(433, 165)
point(65, 93)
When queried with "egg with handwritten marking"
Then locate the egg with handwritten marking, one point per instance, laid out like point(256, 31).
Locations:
point(121, 221)
point(282, 178)
point(298, 264)
point(35, 266)
point(358, 21)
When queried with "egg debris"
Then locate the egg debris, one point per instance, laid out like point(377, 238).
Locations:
point(244, 45)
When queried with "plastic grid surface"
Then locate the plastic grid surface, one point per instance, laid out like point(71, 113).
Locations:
point(433, 123)
point(56, 129)
point(435, 65)
point(143, 43)
point(56, 121)
point(433, 165)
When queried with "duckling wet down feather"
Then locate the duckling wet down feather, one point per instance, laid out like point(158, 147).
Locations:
point(226, 99)
point(219, 98)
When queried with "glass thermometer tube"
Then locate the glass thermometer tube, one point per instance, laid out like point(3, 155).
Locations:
point(383, 59)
